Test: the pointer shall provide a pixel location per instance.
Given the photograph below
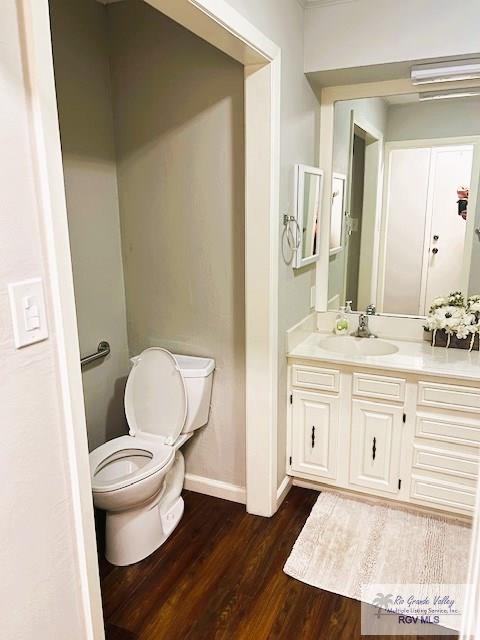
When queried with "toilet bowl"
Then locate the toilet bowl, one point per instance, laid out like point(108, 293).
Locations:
point(138, 478)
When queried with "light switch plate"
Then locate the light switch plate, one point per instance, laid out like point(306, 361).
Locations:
point(27, 306)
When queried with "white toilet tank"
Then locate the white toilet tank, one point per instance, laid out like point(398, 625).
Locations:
point(198, 376)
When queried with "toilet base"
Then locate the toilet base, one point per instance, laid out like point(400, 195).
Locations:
point(131, 536)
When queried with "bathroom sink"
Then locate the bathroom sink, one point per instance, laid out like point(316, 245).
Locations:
point(348, 345)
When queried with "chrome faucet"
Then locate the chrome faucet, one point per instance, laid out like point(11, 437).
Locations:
point(363, 330)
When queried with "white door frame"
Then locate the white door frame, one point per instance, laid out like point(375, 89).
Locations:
point(371, 198)
point(217, 23)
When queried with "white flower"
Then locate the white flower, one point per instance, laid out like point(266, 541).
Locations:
point(474, 328)
point(456, 298)
point(431, 323)
point(447, 317)
point(462, 332)
point(454, 317)
point(452, 324)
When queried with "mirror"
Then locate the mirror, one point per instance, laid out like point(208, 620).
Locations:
point(339, 182)
point(308, 197)
point(407, 228)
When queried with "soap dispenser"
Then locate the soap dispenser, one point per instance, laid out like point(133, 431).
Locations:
point(341, 323)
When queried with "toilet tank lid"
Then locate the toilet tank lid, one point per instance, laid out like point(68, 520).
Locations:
point(194, 367)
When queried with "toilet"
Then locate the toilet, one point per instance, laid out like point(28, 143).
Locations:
point(138, 478)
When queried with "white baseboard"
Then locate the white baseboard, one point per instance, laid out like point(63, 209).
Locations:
point(309, 484)
point(282, 491)
point(228, 491)
point(215, 488)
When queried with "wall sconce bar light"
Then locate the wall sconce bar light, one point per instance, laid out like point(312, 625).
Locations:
point(446, 71)
point(452, 93)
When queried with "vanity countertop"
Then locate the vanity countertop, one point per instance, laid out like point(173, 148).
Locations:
point(412, 357)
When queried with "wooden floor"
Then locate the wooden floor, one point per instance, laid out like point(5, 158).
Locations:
point(219, 576)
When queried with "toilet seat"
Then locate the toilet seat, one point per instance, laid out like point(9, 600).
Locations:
point(155, 396)
point(109, 470)
point(156, 409)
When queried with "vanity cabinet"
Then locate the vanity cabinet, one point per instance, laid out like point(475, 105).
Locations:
point(315, 443)
point(376, 444)
point(401, 437)
point(446, 445)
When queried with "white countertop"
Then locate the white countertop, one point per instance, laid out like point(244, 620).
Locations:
point(412, 357)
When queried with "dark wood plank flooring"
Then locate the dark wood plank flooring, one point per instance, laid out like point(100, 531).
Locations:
point(220, 577)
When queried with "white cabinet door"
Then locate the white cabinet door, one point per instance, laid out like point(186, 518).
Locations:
point(315, 433)
point(376, 437)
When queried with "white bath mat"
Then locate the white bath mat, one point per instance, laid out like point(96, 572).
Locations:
point(346, 542)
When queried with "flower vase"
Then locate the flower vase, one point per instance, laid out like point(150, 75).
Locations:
point(440, 338)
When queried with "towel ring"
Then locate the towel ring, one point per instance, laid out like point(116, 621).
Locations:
point(290, 236)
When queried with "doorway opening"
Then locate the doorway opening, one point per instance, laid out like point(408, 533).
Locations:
point(221, 26)
point(156, 209)
point(362, 215)
point(354, 220)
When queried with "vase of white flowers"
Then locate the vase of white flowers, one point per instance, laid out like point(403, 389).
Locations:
point(455, 322)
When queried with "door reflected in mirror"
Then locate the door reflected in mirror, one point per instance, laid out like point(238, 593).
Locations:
point(339, 182)
point(309, 189)
point(407, 232)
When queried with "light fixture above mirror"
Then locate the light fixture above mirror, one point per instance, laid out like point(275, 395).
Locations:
point(449, 94)
point(450, 71)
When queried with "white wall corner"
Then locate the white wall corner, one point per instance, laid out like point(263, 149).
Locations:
point(283, 489)
point(215, 488)
point(301, 330)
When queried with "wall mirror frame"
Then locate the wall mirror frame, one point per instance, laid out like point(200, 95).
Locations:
point(308, 198)
point(329, 96)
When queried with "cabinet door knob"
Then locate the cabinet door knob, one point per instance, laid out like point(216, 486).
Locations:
point(435, 250)
point(374, 448)
point(313, 437)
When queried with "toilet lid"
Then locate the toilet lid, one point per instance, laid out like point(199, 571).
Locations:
point(155, 396)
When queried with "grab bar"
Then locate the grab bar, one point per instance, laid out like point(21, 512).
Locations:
point(103, 350)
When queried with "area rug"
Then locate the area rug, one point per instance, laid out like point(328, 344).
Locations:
point(348, 542)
